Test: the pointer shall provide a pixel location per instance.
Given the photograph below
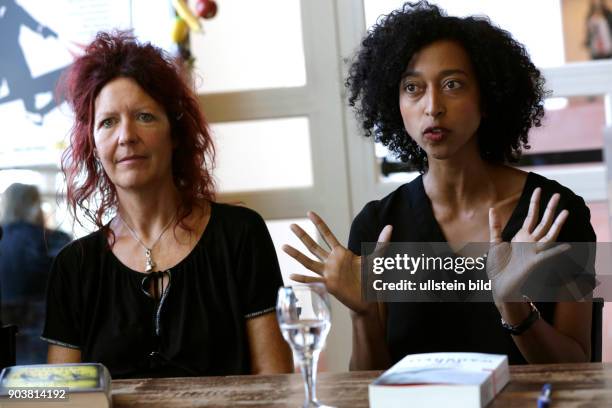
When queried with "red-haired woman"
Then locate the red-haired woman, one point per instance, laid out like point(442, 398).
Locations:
point(173, 284)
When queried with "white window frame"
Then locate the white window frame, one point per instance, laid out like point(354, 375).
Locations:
point(321, 101)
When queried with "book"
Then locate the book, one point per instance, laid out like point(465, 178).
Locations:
point(441, 380)
point(85, 385)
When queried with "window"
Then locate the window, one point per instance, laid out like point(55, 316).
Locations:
point(250, 45)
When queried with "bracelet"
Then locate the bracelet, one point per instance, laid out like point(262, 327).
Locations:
point(520, 328)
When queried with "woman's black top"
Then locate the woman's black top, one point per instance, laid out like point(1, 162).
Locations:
point(471, 327)
point(96, 304)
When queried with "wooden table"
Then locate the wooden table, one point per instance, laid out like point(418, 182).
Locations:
point(574, 385)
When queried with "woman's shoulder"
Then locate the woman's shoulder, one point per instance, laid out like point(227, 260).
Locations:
point(78, 258)
point(550, 187)
point(578, 226)
point(84, 246)
point(398, 203)
point(234, 212)
point(234, 217)
point(407, 202)
point(235, 227)
point(512, 180)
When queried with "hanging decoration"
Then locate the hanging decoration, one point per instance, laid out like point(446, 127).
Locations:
point(206, 8)
point(187, 21)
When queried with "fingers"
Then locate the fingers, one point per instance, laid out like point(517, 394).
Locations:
point(553, 232)
point(494, 227)
point(552, 252)
point(385, 234)
point(534, 210)
point(323, 229)
point(316, 267)
point(383, 239)
point(544, 245)
point(312, 246)
point(306, 279)
point(547, 219)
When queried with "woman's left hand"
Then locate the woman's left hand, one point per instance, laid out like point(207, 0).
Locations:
point(508, 264)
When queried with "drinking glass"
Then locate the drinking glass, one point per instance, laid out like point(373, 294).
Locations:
point(303, 313)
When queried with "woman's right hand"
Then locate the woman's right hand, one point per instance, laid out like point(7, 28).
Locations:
point(339, 269)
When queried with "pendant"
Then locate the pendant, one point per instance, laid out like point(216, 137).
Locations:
point(149, 264)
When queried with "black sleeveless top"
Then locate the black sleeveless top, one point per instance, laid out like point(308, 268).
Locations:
point(470, 327)
point(96, 304)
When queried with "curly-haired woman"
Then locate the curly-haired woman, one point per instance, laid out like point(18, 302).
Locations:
point(456, 98)
point(173, 284)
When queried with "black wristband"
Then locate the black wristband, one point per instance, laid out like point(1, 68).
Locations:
point(520, 328)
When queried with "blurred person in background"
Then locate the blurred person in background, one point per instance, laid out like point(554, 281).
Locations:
point(599, 30)
point(26, 253)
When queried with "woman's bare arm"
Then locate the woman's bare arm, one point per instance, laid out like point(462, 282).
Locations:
point(270, 354)
point(567, 340)
point(370, 350)
point(59, 355)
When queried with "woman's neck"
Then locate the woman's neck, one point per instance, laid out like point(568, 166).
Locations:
point(459, 181)
point(148, 211)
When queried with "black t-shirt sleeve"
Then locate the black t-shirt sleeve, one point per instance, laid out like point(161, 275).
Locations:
point(259, 275)
point(577, 229)
point(578, 226)
point(62, 314)
point(363, 227)
point(573, 276)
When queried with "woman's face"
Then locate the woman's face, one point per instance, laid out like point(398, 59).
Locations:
point(439, 100)
point(132, 136)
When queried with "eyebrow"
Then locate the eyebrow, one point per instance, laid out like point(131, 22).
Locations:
point(446, 72)
point(104, 114)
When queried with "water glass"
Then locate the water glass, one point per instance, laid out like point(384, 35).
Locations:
point(303, 313)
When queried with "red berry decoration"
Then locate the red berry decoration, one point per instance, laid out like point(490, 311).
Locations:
point(206, 8)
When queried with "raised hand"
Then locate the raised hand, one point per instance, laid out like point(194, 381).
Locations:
point(508, 265)
point(339, 269)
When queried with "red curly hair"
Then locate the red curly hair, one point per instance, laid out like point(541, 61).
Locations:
point(119, 54)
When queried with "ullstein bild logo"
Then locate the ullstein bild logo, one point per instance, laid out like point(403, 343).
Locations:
point(431, 285)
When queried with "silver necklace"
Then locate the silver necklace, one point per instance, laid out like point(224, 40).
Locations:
point(149, 263)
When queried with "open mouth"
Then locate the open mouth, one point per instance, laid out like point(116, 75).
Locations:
point(435, 133)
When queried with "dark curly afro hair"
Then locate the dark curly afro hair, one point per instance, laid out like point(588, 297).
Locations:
point(511, 87)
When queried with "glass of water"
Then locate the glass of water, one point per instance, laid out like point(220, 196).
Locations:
point(303, 313)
